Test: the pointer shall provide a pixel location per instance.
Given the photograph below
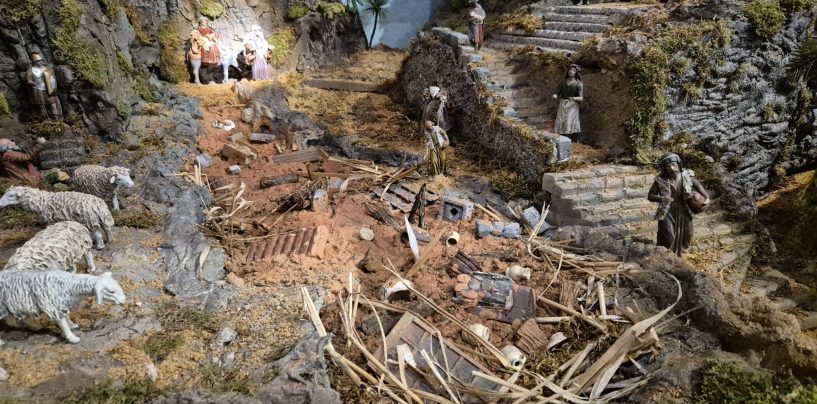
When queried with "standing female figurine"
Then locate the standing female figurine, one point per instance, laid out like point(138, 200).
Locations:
point(570, 93)
point(678, 193)
point(475, 16)
point(259, 48)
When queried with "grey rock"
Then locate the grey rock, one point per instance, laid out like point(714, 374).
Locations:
point(456, 209)
point(228, 359)
point(205, 160)
point(512, 230)
point(262, 138)
point(482, 72)
point(484, 228)
point(213, 268)
point(563, 147)
point(131, 141)
point(226, 336)
point(234, 170)
point(235, 137)
point(248, 115)
point(4, 375)
point(531, 217)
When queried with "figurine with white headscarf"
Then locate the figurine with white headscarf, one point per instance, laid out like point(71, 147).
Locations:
point(436, 108)
point(256, 50)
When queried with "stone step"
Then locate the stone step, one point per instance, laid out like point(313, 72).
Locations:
point(595, 9)
point(601, 183)
point(537, 119)
point(503, 71)
point(716, 230)
point(528, 102)
point(575, 26)
point(602, 210)
point(543, 125)
point(603, 170)
point(552, 34)
point(739, 256)
point(521, 93)
point(705, 244)
point(535, 110)
point(543, 42)
point(509, 46)
point(594, 197)
point(499, 64)
point(576, 18)
point(512, 80)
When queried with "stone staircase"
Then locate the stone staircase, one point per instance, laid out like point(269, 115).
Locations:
point(566, 27)
point(613, 199)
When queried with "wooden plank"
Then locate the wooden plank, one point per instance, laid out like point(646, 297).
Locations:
point(302, 156)
point(344, 85)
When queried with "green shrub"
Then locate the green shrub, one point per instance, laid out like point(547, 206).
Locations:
point(135, 392)
point(19, 10)
point(282, 42)
point(141, 86)
point(171, 59)
point(796, 6)
point(124, 64)
point(297, 11)
point(729, 383)
point(4, 104)
point(112, 9)
point(211, 8)
point(159, 346)
point(87, 62)
point(330, 9)
point(124, 109)
point(766, 16)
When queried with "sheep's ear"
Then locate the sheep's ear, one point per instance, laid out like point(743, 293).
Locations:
point(106, 274)
point(113, 179)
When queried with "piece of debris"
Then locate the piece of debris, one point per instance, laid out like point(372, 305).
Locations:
point(480, 330)
point(499, 229)
point(234, 170)
point(226, 124)
point(289, 178)
point(235, 280)
point(204, 160)
point(235, 137)
point(462, 263)
point(418, 208)
point(344, 85)
point(495, 297)
point(429, 351)
point(456, 209)
point(303, 156)
point(320, 201)
point(225, 336)
point(4, 374)
point(514, 356)
point(366, 234)
point(311, 242)
point(382, 215)
point(238, 154)
point(401, 195)
point(422, 236)
point(556, 339)
point(396, 290)
point(518, 273)
point(530, 337)
point(262, 138)
point(531, 217)
point(452, 239)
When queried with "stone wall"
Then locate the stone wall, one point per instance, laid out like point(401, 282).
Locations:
point(439, 61)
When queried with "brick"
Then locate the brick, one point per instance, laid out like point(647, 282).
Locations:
point(238, 154)
point(319, 241)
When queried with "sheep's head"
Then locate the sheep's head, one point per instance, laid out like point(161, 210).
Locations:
point(106, 288)
point(121, 176)
point(13, 196)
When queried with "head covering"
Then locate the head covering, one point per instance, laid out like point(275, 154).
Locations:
point(434, 91)
point(667, 157)
point(6, 145)
point(202, 18)
point(472, 1)
point(577, 67)
point(35, 56)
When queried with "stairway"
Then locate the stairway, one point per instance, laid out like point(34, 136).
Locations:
point(613, 199)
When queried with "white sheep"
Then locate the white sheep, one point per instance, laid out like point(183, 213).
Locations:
point(53, 292)
point(101, 181)
point(55, 207)
point(57, 246)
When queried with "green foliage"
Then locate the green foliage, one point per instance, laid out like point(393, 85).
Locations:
point(211, 8)
point(17, 11)
point(796, 6)
point(171, 59)
point(124, 64)
point(729, 383)
point(88, 63)
point(141, 86)
point(159, 346)
point(176, 317)
point(508, 184)
point(770, 112)
point(766, 16)
point(650, 75)
point(133, 17)
point(136, 392)
point(379, 9)
point(282, 41)
point(692, 91)
point(803, 64)
point(222, 380)
point(4, 104)
point(297, 11)
point(330, 9)
point(112, 9)
point(124, 109)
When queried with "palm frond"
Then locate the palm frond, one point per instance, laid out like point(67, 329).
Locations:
point(803, 64)
point(354, 4)
point(377, 7)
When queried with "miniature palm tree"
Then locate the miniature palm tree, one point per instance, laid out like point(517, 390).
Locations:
point(379, 9)
point(803, 64)
point(353, 5)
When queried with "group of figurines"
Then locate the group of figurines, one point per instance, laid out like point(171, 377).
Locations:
point(251, 61)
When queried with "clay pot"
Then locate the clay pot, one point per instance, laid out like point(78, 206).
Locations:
point(479, 329)
point(453, 239)
point(518, 273)
point(514, 356)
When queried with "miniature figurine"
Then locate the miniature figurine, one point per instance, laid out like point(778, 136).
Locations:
point(679, 195)
point(256, 52)
point(203, 47)
point(436, 108)
point(103, 182)
point(475, 16)
point(18, 163)
point(436, 141)
point(43, 84)
point(58, 246)
point(570, 93)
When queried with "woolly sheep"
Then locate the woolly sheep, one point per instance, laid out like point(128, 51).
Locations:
point(101, 181)
point(57, 246)
point(53, 292)
point(55, 207)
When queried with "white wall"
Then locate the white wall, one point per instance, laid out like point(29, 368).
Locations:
point(406, 18)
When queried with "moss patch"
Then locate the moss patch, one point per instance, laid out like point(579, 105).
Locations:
point(133, 17)
point(171, 59)
point(508, 184)
point(159, 346)
point(222, 380)
point(296, 11)
point(766, 16)
point(137, 219)
point(282, 41)
point(141, 86)
point(112, 9)
point(87, 62)
point(4, 104)
point(19, 10)
point(123, 62)
point(175, 317)
point(728, 383)
point(651, 74)
point(330, 9)
point(211, 8)
point(796, 6)
point(135, 392)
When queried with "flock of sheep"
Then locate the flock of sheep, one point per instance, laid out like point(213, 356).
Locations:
point(35, 280)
